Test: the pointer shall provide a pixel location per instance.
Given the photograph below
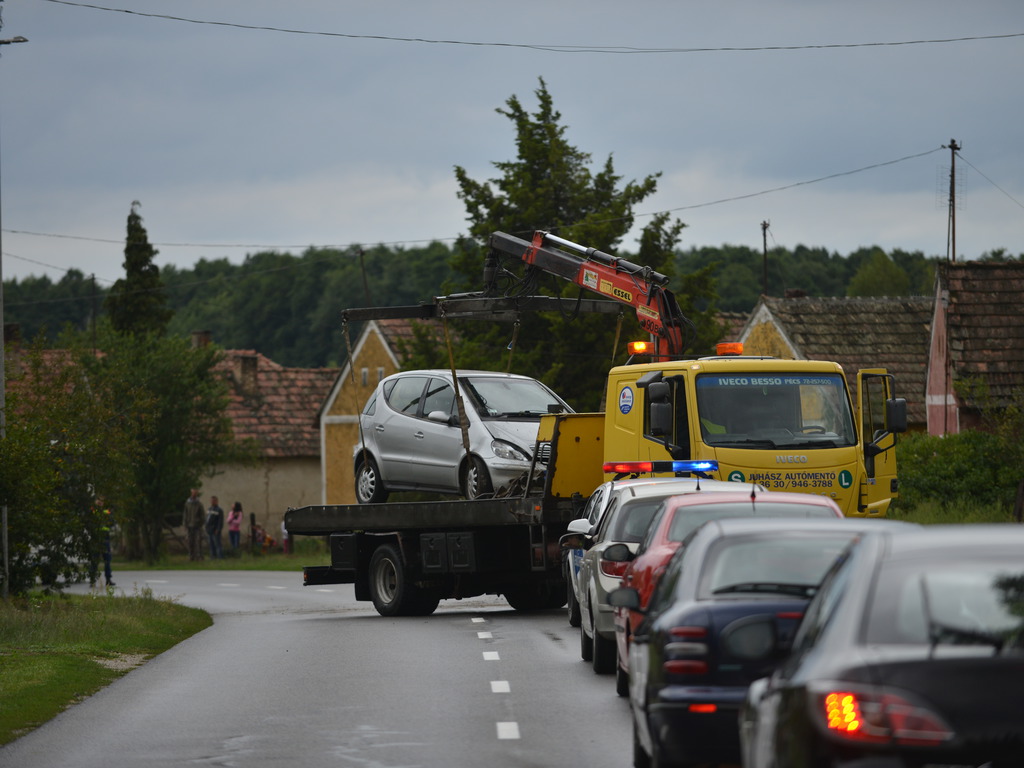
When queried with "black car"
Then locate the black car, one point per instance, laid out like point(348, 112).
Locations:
point(910, 655)
point(721, 616)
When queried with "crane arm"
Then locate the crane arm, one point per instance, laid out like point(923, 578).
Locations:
point(641, 287)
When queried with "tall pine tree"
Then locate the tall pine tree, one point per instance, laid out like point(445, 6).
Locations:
point(137, 304)
point(550, 186)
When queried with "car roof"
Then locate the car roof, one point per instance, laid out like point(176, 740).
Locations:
point(808, 499)
point(734, 526)
point(688, 485)
point(446, 373)
point(983, 537)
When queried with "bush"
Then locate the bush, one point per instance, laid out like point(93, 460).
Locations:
point(969, 465)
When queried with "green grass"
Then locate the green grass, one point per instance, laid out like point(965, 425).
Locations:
point(956, 511)
point(56, 650)
point(309, 550)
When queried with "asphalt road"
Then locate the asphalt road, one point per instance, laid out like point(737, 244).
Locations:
point(306, 676)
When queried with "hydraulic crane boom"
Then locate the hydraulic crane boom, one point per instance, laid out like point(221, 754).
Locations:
point(640, 287)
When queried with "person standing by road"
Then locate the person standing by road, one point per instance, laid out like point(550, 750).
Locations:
point(214, 526)
point(235, 526)
point(193, 519)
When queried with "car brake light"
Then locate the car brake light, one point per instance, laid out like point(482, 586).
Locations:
point(685, 667)
point(613, 569)
point(882, 716)
point(688, 632)
point(704, 709)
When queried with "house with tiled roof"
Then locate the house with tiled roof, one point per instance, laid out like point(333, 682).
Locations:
point(977, 339)
point(276, 408)
point(861, 332)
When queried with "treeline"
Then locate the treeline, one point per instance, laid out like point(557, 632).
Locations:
point(289, 307)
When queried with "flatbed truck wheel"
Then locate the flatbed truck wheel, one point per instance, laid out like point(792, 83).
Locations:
point(390, 590)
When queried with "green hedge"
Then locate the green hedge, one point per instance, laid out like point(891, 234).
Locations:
point(977, 466)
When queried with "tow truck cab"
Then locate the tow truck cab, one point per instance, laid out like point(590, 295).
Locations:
point(786, 424)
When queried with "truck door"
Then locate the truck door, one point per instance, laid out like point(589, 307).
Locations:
point(881, 417)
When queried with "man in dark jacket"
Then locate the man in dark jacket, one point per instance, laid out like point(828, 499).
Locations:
point(193, 519)
point(214, 526)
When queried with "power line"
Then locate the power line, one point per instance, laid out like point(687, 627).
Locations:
point(616, 49)
point(447, 239)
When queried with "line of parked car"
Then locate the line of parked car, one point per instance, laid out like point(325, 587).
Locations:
point(765, 629)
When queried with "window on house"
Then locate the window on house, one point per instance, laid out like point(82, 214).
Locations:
point(380, 375)
point(366, 376)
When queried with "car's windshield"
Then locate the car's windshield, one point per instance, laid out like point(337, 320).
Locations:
point(781, 410)
point(500, 397)
point(977, 603)
point(788, 563)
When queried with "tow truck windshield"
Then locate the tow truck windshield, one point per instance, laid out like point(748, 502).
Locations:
point(783, 410)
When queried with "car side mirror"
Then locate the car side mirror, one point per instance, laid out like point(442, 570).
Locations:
point(624, 597)
point(576, 535)
point(618, 553)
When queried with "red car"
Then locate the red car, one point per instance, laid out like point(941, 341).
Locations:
point(678, 517)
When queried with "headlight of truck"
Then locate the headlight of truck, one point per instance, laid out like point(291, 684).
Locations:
point(508, 451)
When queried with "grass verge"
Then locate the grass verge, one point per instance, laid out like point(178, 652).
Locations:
point(58, 649)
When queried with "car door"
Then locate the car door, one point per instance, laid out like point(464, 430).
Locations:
point(394, 426)
point(438, 443)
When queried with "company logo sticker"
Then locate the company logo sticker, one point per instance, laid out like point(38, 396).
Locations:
point(626, 400)
point(737, 477)
point(845, 479)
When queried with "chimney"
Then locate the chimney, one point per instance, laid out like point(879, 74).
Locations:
point(244, 372)
point(201, 339)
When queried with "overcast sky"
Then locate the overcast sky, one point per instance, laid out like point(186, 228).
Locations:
point(248, 125)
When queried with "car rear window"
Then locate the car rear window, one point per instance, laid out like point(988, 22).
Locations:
point(967, 603)
point(783, 562)
point(632, 520)
point(689, 518)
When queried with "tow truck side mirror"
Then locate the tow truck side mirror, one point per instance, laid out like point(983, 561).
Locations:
point(896, 414)
point(658, 394)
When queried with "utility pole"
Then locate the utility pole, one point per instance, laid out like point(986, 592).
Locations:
point(951, 245)
point(3, 386)
point(764, 260)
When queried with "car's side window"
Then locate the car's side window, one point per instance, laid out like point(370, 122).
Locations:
point(440, 396)
point(371, 406)
point(593, 505)
point(606, 520)
point(820, 611)
point(406, 394)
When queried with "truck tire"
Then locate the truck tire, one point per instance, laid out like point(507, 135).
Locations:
point(390, 590)
point(476, 480)
point(540, 597)
point(369, 485)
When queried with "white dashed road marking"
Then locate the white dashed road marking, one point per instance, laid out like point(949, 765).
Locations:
point(508, 730)
point(500, 686)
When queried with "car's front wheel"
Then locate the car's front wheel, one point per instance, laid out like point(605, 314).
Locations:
point(369, 485)
point(476, 480)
